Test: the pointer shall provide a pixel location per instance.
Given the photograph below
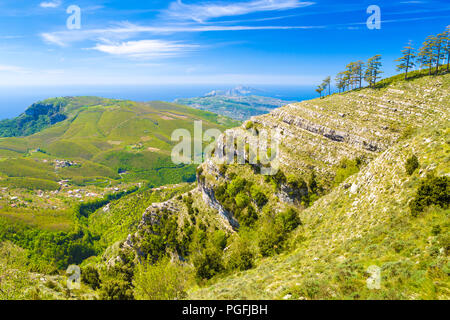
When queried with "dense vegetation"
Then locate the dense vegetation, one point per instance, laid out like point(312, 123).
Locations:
point(432, 191)
point(39, 116)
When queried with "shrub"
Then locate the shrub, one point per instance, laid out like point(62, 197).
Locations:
point(242, 200)
point(91, 277)
point(240, 257)
point(236, 186)
point(289, 220)
point(279, 178)
point(270, 239)
point(258, 196)
point(411, 165)
point(296, 182)
point(208, 263)
point(432, 191)
point(248, 217)
point(115, 289)
point(161, 281)
point(219, 239)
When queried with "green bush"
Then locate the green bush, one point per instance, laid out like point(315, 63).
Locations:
point(223, 169)
point(270, 239)
point(116, 289)
point(240, 256)
point(258, 196)
point(289, 220)
point(411, 165)
point(249, 125)
point(161, 281)
point(236, 186)
point(208, 263)
point(91, 277)
point(117, 281)
point(248, 217)
point(219, 239)
point(242, 200)
point(432, 191)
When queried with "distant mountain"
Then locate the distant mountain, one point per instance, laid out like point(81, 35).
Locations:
point(240, 103)
point(239, 91)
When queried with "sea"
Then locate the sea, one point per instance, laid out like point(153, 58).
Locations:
point(15, 100)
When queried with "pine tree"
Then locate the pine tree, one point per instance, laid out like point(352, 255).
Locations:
point(426, 56)
point(407, 61)
point(350, 75)
point(438, 49)
point(327, 83)
point(340, 81)
point(319, 90)
point(447, 46)
point(358, 70)
point(347, 79)
point(373, 71)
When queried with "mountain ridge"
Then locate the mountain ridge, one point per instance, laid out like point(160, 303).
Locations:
point(332, 184)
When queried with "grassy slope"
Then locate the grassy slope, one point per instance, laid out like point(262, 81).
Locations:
point(344, 233)
point(123, 216)
point(104, 137)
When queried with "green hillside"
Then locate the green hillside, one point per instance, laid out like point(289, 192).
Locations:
point(102, 137)
point(363, 184)
point(97, 147)
point(363, 189)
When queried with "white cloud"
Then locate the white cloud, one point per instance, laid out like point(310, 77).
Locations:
point(145, 49)
point(50, 4)
point(53, 38)
point(207, 11)
point(12, 69)
point(63, 38)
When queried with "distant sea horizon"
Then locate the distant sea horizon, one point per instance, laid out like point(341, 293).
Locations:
point(15, 100)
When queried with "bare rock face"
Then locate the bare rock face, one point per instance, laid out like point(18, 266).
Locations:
point(209, 197)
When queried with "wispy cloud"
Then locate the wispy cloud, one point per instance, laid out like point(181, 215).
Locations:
point(50, 4)
point(13, 69)
point(127, 30)
point(146, 49)
point(207, 11)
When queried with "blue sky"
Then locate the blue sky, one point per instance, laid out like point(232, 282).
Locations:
point(270, 42)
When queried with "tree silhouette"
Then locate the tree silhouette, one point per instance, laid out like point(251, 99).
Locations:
point(340, 81)
point(358, 71)
point(407, 60)
point(426, 56)
point(319, 90)
point(447, 45)
point(327, 83)
point(373, 71)
point(438, 49)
